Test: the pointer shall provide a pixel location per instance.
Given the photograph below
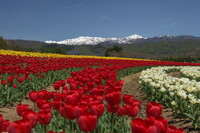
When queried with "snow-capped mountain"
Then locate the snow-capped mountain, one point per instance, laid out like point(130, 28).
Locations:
point(136, 39)
point(85, 40)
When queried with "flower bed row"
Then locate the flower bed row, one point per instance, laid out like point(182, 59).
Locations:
point(90, 101)
point(22, 74)
point(181, 94)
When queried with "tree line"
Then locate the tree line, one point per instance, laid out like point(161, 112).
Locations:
point(8, 46)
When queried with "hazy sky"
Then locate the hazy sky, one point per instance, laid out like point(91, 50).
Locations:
point(64, 19)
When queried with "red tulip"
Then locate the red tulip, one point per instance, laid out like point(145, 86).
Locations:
point(20, 126)
point(50, 95)
point(14, 85)
point(46, 105)
point(65, 88)
point(121, 111)
point(32, 117)
point(3, 82)
point(69, 80)
point(20, 80)
point(97, 109)
point(73, 86)
point(42, 76)
point(113, 98)
point(132, 111)
point(142, 126)
point(82, 109)
point(91, 84)
point(99, 98)
point(159, 123)
point(153, 109)
point(112, 109)
point(135, 103)
point(97, 92)
point(44, 118)
point(40, 102)
point(55, 95)
point(62, 111)
point(1, 121)
point(61, 82)
point(10, 80)
point(42, 94)
point(4, 127)
point(14, 128)
point(70, 111)
point(127, 98)
point(120, 83)
point(33, 96)
point(87, 122)
point(73, 74)
point(21, 109)
point(56, 104)
point(72, 98)
point(56, 86)
point(172, 129)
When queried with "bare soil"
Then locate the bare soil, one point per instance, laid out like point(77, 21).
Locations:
point(175, 74)
point(9, 112)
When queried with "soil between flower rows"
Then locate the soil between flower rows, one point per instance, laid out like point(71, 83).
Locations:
point(131, 86)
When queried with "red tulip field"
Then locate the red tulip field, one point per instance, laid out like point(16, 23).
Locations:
point(89, 95)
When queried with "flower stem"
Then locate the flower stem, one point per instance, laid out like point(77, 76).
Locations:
point(112, 122)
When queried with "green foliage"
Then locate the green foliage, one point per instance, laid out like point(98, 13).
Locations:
point(115, 48)
point(57, 50)
point(130, 70)
point(182, 59)
point(3, 43)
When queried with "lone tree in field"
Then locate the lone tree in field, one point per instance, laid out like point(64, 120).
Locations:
point(114, 51)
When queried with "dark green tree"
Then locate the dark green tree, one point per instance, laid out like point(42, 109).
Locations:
point(3, 43)
point(115, 48)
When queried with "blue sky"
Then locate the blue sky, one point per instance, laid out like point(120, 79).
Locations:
point(64, 19)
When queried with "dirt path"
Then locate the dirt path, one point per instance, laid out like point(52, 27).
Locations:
point(132, 86)
point(9, 112)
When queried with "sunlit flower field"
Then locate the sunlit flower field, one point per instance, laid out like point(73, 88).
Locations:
point(87, 93)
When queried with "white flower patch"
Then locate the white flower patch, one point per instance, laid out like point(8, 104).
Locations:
point(193, 72)
point(184, 88)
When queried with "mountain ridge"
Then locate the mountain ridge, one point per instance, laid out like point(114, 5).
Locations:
point(95, 40)
point(86, 40)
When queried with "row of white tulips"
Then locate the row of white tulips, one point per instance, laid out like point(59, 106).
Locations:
point(191, 72)
point(181, 94)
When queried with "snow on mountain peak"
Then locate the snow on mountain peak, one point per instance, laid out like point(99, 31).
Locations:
point(86, 40)
point(135, 36)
